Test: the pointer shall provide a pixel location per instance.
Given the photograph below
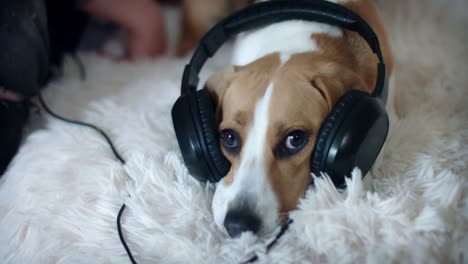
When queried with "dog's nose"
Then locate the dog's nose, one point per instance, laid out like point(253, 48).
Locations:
point(241, 220)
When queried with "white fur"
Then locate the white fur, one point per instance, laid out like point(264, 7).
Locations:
point(286, 37)
point(60, 197)
point(251, 181)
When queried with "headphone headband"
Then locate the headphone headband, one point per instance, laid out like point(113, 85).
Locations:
point(270, 12)
point(353, 133)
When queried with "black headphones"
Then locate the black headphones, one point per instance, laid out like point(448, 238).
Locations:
point(351, 136)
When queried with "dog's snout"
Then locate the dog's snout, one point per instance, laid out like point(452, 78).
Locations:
point(241, 220)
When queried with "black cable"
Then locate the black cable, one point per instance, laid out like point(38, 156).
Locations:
point(41, 100)
point(122, 209)
point(119, 216)
point(122, 239)
point(272, 243)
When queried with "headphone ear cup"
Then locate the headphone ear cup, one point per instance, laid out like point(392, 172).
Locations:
point(193, 117)
point(352, 136)
point(210, 134)
point(329, 128)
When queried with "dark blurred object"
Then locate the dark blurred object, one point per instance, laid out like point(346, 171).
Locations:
point(66, 26)
point(24, 45)
point(24, 67)
point(13, 116)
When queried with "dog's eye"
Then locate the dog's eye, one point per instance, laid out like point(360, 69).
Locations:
point(292, 143)
point(230, 140)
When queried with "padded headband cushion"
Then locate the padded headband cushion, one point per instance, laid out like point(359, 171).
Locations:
point(210, 134)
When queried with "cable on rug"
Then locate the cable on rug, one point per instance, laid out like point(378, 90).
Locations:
point(122, 209)
point(114, 151)
point(272, 243)
point(100, 131)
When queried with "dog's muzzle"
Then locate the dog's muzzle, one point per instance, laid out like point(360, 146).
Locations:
point(240, 220)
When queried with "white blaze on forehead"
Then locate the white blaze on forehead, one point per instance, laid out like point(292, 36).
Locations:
point(288, 37)
point(254, 147)
point(251, 183)
point(251, 178)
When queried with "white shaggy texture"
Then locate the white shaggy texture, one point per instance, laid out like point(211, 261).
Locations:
point(60, 197)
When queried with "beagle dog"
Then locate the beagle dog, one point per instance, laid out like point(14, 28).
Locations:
point(284, 80)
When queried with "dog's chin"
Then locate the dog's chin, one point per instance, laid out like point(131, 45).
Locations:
point(223, 196)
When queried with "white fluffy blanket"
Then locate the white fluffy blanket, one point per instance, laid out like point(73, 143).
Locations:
point(61, 195)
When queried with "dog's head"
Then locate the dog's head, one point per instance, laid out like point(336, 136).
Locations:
point(269, 113)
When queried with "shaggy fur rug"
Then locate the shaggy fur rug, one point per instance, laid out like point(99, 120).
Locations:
point(60, 197)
